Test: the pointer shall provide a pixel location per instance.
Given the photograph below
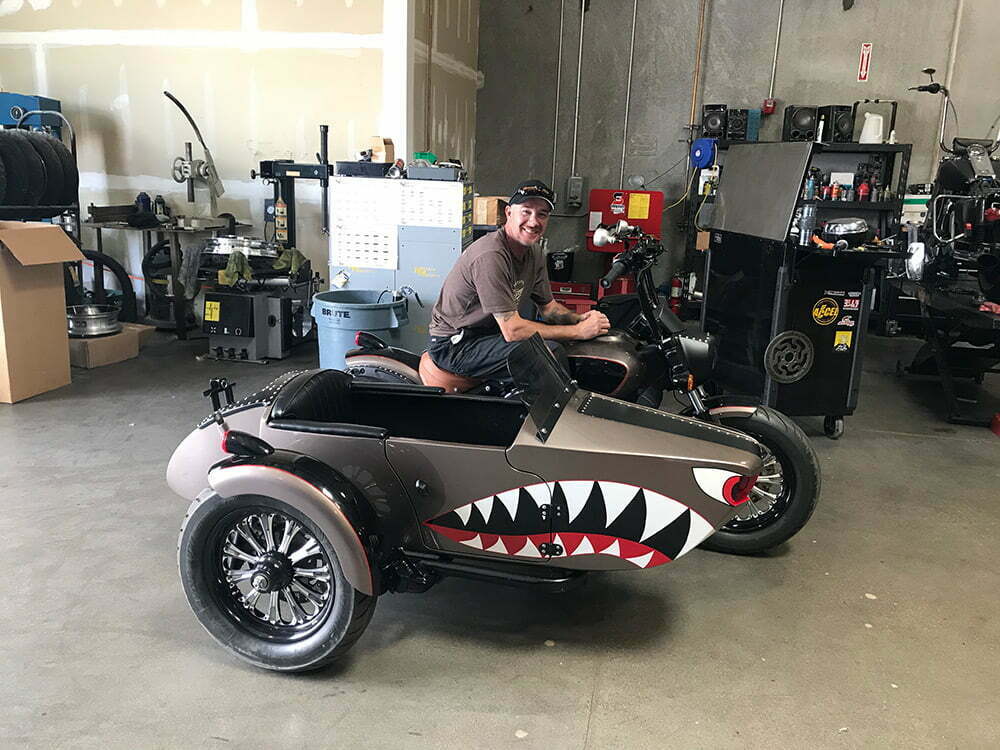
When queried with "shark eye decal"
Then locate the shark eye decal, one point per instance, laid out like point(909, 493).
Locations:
point(724, 486)
point(588, 517)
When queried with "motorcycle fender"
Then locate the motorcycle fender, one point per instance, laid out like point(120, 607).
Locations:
point(732, 411)
point(323, 495)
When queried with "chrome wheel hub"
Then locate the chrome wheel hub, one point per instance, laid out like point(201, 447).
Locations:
point(275, 571)
point(766, 496)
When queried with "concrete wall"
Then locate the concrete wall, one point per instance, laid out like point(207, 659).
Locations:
point(817, 64)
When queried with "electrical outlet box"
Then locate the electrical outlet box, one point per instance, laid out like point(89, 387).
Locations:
point(574, 191)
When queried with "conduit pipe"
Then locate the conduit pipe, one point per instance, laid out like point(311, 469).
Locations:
point(579, 68)
point(555, 123)
point(777, 42)
point(628, 94)
point(695, 84)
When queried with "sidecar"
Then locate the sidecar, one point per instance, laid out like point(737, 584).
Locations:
point(320, 492)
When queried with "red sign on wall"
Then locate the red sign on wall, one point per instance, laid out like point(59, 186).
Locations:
point(864, 65)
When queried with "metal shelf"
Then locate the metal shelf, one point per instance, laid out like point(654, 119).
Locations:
point(896, 205)
point(33, 213)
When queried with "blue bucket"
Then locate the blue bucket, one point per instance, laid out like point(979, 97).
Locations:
point(341, 313)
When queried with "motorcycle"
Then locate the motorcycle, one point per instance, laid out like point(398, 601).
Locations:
point(962, 228)
point(320, 492)
point(649, 350)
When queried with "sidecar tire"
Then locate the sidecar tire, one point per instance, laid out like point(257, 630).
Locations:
point(800, 466)
point(347, 612)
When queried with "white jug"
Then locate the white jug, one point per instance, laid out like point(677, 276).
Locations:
point(871, 132)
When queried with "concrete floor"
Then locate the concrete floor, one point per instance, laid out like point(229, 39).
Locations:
point(875, 627)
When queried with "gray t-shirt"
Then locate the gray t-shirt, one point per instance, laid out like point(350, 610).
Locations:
point(490, 277)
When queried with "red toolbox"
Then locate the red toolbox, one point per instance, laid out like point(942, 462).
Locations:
point(621, 285)
point(572, 288)
point(576, 304)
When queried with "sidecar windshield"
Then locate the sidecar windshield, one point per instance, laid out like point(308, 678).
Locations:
point(545, 383)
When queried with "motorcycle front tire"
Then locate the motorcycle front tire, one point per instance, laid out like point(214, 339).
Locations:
point(800, 485)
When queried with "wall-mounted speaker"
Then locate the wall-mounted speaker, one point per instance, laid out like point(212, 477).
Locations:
point(713, 120)
point(838, 122)
point(736, 124)
point(800, 123)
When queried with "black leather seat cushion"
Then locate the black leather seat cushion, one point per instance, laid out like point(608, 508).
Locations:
point(316, 396)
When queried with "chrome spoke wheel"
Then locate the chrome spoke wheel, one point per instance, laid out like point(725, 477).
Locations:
point(768, 498)
point(273, 574)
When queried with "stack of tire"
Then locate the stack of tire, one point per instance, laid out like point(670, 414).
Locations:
point(37, 171)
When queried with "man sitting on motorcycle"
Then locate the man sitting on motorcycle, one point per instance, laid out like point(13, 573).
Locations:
point(475, 323)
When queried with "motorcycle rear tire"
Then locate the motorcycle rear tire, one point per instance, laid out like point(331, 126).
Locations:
point(800, 469)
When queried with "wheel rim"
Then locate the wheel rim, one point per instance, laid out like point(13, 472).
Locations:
point(271, 574)
point(768, 497)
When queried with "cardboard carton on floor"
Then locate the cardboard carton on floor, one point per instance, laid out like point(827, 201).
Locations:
point(34, 355)
point(104, 350)
point(144, 332)
point(489, 209)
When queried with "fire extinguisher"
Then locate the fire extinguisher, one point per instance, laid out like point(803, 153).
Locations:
point(676, 289)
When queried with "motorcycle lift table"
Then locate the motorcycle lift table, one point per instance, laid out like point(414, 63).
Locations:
point(961, 342)
point(790, 319)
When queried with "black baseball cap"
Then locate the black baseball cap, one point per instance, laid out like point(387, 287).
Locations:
point(533, 189)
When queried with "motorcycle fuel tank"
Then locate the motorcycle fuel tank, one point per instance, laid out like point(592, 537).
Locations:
point(607, 364)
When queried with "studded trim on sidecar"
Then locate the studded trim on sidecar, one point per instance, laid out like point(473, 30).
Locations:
point(263, 397)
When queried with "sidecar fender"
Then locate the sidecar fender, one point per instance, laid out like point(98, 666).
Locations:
point(325, 496)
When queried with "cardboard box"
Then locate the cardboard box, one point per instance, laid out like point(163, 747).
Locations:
point(489, 209)
point(701, 241)
point(383, 150)
point(144, 332)
point(34, 355)
point(104, 350)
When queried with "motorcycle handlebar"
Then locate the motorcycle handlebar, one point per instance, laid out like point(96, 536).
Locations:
point(617, 269)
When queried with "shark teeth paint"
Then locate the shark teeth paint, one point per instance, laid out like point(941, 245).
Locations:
point(615, 519)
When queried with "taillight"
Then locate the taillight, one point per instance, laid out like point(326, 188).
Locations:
point(737, 489)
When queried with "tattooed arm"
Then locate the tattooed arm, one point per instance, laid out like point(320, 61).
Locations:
point(579, 327)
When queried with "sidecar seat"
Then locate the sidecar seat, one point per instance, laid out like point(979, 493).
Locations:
point(315, 396)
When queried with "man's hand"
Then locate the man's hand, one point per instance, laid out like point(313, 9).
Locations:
point(592, 324)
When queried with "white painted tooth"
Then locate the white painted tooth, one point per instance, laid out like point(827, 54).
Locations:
point(485, 507)
point(509, 500)
point(562, 544)
point(698, 533)
point(529, 550)
point(641, 561)
point(539, 493)
point(464, 512)
point(476, 542)
point(614, 549)
point(711, 481)
point(585, 548)
point(497, 547)
point(616, 497)
point(661, 511)
point(576, 492)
